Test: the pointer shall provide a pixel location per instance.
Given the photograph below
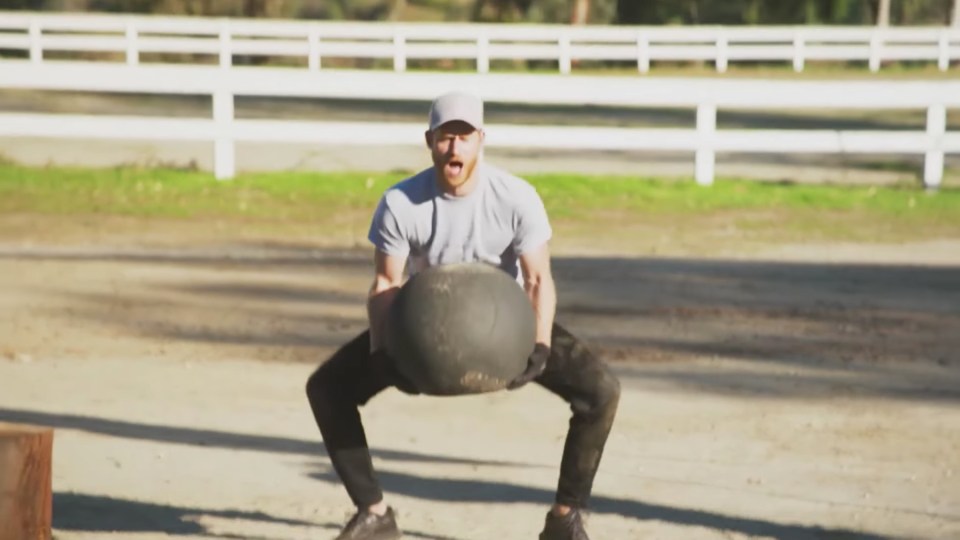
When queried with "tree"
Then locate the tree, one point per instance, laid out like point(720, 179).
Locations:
point(581, 12)
point(883, 14)
point(501, 10)
point(396, 12)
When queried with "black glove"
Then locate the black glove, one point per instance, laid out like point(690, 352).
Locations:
point(535, 366)
point(388, 370)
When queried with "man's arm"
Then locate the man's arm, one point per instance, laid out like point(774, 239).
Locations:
point(540, 288)
point(388, 278)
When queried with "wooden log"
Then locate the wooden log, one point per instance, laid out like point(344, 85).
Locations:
point(26, 499)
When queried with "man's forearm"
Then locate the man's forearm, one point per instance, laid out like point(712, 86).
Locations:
point(543, 295)
point(378, 306)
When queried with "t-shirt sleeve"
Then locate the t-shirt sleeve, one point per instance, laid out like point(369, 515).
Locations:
point(533, 225)
point(386, 231)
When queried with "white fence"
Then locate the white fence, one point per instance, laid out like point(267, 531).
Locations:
point(39, 34)
point(704, 95)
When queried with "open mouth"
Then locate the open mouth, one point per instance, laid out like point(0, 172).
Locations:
point(454, 167)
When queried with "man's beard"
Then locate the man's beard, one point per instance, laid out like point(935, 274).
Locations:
point(456, 171)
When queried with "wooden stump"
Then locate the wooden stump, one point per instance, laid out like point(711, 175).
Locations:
point(26, 500)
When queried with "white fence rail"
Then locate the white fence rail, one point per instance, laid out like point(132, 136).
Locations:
point(704, 140)
point(40, 34)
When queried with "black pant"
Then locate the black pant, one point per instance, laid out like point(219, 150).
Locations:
point(349, 379)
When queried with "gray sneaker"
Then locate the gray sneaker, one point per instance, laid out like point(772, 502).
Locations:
point(365, 525)
point(568, 527)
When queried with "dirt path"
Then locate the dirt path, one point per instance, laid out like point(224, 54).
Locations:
point(762, 399)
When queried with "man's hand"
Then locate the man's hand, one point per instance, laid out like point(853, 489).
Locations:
point(536, 363)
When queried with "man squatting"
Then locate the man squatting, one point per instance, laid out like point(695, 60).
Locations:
point(462, 209)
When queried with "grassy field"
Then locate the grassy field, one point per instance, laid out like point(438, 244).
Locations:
point(587, 211)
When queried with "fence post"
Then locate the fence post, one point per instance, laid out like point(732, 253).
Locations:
point(36, 47)
point(875, 46)
point(133, 56)
point(483, 54)
point(26, 464)
point(565, 62)
point(798, 51)
point(933, 161)
point(313, 46)
point(722, 53)
point(943, 61)
point(706, 132)
point(399, 52)
point(643, 53)
point(226, 54)
point(224, 166)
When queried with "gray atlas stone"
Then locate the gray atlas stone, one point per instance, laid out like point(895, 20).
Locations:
point(461, 329)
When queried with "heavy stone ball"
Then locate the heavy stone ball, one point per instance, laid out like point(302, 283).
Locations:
point(460, 329)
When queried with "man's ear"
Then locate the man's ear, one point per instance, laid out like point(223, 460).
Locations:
point(428, 138)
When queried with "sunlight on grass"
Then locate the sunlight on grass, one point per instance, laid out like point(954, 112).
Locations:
point(589, 205)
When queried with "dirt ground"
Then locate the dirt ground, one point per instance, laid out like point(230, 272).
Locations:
point(802, 392)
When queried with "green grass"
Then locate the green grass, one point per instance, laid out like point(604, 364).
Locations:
point(584, 208)
point(652, 195)
point(176, 193)
point(180, 194)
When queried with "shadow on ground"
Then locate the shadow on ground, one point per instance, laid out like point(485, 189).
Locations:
point(214, 438)
point(81, 512)
point(93, 513)
point(793, 330)
point(784, 329)
point(484, 491)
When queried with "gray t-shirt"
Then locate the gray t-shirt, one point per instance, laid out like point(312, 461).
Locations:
point(501, 219)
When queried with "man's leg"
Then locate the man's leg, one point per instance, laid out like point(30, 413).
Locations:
point(593, 392)
point(336, 390)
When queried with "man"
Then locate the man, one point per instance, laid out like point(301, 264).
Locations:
point(462, 210)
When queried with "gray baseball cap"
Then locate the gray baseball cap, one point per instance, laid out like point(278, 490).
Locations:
point(456, 106)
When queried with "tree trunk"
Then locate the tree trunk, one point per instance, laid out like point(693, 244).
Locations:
point(396, 12)
point(694, 11)
point(581, 12)
point(26, 500)
point(254, 8)
point(478, 6)
point(956, 13)
point(883, 14)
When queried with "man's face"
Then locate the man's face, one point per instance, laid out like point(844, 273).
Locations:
point(455, 148)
